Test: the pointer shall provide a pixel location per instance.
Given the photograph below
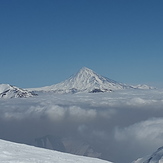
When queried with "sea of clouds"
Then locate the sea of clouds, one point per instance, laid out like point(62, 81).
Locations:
point(122, 125)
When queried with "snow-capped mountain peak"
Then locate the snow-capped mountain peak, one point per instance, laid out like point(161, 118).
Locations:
point(89, 76)
point(85, 70)
point(156, 157)
point(85, 77)
point(85, 80)
point(9, 91)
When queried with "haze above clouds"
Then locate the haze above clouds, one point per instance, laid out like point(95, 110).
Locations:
point(122, 125)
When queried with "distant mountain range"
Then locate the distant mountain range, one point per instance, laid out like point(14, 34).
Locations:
point(86, 80)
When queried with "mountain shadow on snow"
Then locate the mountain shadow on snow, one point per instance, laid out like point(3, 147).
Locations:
point(67, 145)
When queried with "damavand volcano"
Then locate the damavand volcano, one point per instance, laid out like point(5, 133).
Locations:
point(86, 80)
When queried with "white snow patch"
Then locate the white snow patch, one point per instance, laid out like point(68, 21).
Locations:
point(20, 153)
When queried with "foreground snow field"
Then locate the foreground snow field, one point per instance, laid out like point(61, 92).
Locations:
point(19, 153)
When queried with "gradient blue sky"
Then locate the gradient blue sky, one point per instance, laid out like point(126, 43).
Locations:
point(43, 42)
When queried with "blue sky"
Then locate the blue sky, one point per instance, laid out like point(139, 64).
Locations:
point(43, 42)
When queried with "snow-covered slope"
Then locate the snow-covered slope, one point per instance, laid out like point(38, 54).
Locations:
point(156, 157)
point(8, 91)
point(85, 80)
point(143, 86)
point(20, 153)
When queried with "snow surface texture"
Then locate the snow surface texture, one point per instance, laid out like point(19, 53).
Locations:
point(156, 157)
point(87, 80)
point(20, 153)
point(8, 91)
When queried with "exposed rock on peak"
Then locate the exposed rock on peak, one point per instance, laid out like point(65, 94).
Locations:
point(9, 91)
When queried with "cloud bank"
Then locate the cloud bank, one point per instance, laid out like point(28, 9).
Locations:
point(121, 125)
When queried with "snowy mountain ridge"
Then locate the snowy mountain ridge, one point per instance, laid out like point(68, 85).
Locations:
point(156, 157)
point(21, 153)
point(9, 91)
point(86, 80)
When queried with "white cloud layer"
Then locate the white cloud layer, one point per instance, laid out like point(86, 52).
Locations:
point(144, 133)
point(121, 125)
